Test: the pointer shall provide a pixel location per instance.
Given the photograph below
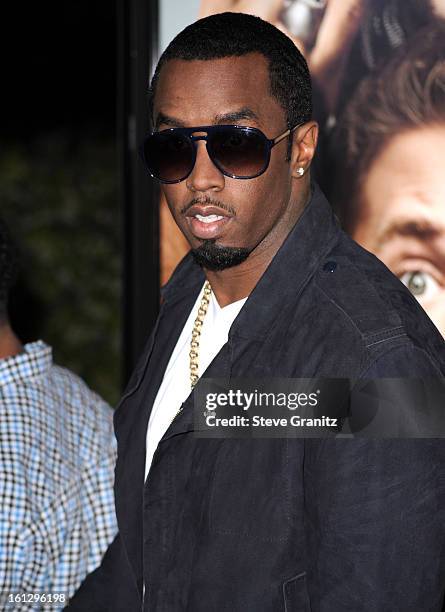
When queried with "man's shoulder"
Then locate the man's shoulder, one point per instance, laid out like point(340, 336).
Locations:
point(88, 416)
point(362, 294)
point(75, 390)
point(49, 411)
point(33, 386)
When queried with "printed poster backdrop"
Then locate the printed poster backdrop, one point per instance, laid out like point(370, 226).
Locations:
point(378, 69)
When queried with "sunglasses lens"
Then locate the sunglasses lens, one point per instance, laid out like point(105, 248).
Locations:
point(239, 152)
point(169, 156)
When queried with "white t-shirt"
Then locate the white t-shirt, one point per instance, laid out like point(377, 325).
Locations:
point(175, 386)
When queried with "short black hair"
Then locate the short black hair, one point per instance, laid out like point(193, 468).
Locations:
point(237, 34)
point(8, 264)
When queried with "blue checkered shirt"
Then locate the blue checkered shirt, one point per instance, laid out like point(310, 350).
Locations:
point(57, 456)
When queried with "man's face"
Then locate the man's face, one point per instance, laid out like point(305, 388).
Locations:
point(233, 90)
point(402, 214)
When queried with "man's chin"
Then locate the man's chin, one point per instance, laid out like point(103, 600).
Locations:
point(212, 256)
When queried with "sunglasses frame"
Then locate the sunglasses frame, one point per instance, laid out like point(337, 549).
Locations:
point(188, 133)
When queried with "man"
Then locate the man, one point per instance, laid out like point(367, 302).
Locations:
point(57, 454)
point(272, 289)
point(390, 152)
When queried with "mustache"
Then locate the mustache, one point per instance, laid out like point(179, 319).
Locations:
point(210, 202)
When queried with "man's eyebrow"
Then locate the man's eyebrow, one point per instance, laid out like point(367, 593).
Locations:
point(235, 116)
point(162, 119)
point(229, 118)
point(421, 229)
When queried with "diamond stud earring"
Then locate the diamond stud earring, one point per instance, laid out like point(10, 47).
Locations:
point(300, 171)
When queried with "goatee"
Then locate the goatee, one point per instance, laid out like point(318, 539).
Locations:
point(214, 257)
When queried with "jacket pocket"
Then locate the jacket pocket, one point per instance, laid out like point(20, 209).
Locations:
point(295, 595)
point(250, 490)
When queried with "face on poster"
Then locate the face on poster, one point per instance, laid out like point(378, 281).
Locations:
point(399, 204)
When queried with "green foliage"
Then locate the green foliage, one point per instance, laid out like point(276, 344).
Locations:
point(58, 195)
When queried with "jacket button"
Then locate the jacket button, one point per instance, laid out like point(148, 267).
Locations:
point(329, 266)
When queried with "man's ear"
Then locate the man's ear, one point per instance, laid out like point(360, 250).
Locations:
point(303, 148)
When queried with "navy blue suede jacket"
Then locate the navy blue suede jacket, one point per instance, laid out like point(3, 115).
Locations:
point(281, 525)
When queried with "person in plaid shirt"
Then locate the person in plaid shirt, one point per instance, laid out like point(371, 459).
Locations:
point(57, 457)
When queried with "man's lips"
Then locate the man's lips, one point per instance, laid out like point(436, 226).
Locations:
point(207, 221)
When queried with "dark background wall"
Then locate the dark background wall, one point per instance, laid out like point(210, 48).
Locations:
point(60, 67)
point(59, 188)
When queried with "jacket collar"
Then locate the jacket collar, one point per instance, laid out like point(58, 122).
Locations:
point(306, 245)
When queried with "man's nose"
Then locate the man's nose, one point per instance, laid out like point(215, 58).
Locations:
point(205, 175)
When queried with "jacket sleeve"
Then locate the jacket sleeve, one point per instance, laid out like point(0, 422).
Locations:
point(110, 587)
point(374, 514)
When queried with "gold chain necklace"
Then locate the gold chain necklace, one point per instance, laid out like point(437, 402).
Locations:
point(196, 333)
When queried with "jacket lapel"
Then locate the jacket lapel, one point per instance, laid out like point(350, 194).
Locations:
point(220, 367)
point(131, 421)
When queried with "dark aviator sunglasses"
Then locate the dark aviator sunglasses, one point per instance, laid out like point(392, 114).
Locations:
point(239, 152)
